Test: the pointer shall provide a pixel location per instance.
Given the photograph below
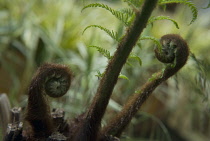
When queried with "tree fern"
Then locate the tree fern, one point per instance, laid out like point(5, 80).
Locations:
point(111, 33)
point(135, 57)
point(129, 11)
point(155, 40)
point(135, 3)
point(153, 19)
point(121, 16)
point(103, 51)
point(99, 75)
point(123, 76)
point(188, 3)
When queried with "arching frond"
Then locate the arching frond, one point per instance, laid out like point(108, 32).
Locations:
point(153, 19)
point(155, 40)
point(123, 76)
point(135, 3)
point(135, 57)
point(121, 16)
point(128, 11)
point(186, 2)
point(103, 51)
point(111, 33)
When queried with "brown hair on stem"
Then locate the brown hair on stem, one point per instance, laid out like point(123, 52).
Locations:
point(50, 79)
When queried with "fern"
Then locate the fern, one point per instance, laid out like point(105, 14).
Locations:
point(127, 11)
point(133, 56)
point(121, 16)
point(100, 75)
point(155, 40)
point(112, 34)
point(135, 3)
point(153, 19)
point(103, 51)
point(123, 76)
point(188, 3)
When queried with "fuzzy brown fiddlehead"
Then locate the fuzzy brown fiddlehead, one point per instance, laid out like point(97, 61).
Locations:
point(50, 79)
point(174, 53)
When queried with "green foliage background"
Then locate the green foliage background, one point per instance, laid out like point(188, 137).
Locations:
point(37, 31)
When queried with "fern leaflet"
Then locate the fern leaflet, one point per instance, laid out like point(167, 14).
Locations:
point(155, 40)
point(152, 19)
point(133, 56)
point(136, 3)
point(103, 51)
point(186, 2)
point(112, 34)
point(121, 16)
point(123, 76)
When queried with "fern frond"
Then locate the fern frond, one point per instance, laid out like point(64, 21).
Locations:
point(99, 74)
point(135, 3)
point(130, 12)
point(186, 2)
point(121, 16)
point(155, 40)
point(133, 56)
point(123, 76)
point(111, 33)
point(153, 19)
point(103, 51)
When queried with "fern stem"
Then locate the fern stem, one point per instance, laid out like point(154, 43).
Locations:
point(97, 108)
point(180, 55)
point(50, 79)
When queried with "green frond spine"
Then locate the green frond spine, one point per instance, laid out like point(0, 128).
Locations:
point(135, 3)
point(111, 33)
point(155, 40)
point(103, 51)
point(186, 2)
point(133, 56)
point(100, 75)
point(153, 19)
point(121, 16)
point(129, 11)
point(123, 76)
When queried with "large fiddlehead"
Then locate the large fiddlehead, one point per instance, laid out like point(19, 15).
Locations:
point(174, 52)
point(50, 79)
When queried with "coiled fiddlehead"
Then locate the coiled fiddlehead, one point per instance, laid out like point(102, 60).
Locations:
point(174, 52)
point(53, 80)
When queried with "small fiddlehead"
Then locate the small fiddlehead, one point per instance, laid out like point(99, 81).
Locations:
point(50, 79)
point(174, 52)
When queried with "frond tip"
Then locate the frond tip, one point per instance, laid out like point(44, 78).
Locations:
point(153, 19)
point(186, 2)
point(103, 51)
point(111, 33)
point(124, 17)
point(155, 40)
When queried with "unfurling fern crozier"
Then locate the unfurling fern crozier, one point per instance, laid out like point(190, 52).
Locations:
point(174, 53)
point(50, 79)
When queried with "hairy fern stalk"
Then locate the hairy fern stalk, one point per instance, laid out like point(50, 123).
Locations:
point(54, 80)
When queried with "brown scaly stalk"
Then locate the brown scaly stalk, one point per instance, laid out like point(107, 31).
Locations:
point(175, 52)
point(53, 80)
point(92, 119)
